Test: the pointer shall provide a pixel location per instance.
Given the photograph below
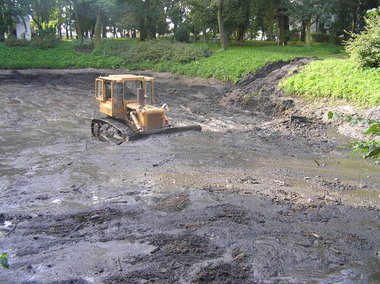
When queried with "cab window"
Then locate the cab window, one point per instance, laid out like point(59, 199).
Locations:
point(129, 91)
point(108, 90)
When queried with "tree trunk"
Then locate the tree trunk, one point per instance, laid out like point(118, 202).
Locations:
point(222, 30)
point(104, 32)
point(142, 29)
point(240, 34)
point(2, 28)
point(78, 23)
point(303, 31)
point(60, 30)
point(151, 28)
point(283, 28)
point(308, 32)
point(98, 29)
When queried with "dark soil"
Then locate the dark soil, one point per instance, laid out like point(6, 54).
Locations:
point(266, 193)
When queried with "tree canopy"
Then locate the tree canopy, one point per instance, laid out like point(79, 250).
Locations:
point(224, 20)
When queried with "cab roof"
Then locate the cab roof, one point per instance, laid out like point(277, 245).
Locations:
point(126, 77)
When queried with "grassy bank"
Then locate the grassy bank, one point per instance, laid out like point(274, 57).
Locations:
point(336, 78)
point(236, 62)
point(333, 77)
point(190, 59)
point(61, 56)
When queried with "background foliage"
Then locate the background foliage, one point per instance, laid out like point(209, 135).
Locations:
point(364, 48)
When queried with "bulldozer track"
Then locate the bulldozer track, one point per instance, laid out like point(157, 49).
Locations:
point(108, 129)
point(124, 133)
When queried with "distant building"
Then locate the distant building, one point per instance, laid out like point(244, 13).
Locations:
point(23, 30)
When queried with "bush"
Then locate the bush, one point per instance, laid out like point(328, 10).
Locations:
point(85, 45)
point(114, 47)
point(43, 42)
point(325, 38)
point(13, 41)
point(36, 41)
point(159, 51)
point(364, 48)
point(182, 33)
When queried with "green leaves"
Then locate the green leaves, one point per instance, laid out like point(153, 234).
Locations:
point(364, 47)
point(333, 115)
point(4, 260)
point(370, 149)
point(374, 129)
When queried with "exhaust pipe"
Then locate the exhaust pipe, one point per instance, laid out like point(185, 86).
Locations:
point(141, 98)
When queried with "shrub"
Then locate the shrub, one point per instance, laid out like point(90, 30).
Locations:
point(13, 41)
point(114, 47)
point(85, 45)
point(44, 42)
point(182, 33)
point(159, 51)
point(325, 38)
point(364, 48)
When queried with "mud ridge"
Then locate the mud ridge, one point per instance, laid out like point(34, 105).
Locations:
point(259, 91)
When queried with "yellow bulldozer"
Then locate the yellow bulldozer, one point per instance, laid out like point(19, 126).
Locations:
point(123, 99)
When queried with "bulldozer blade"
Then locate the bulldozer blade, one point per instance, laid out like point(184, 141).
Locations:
point(164, 131)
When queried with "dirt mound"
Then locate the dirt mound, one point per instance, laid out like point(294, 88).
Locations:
point(259, 91)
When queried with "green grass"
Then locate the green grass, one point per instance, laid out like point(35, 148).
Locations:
point(61, 56)
point(336, 78)
point(230, 65)
point(236, 62)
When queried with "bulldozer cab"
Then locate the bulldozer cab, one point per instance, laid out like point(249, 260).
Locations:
point(115, 92)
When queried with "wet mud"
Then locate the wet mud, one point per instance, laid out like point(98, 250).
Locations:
point(266, 193)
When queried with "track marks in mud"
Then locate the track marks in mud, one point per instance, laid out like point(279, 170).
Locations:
point(173, 246)
point(188, 209)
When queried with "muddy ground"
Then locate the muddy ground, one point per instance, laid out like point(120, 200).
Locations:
point(266, 193)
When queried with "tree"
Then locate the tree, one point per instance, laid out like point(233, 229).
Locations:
point(272, 17)
point(265, 17)
point(147, 15)
point(349, 16)
point(42, 12)
point(221, 25)
point(201, 17)
point(102, 8)
point(10, 12)
point(310, 11)
point(82, 13)
point(175, 11)
point(364, 47)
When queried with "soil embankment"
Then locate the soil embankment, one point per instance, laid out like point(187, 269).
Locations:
point(264, 194)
